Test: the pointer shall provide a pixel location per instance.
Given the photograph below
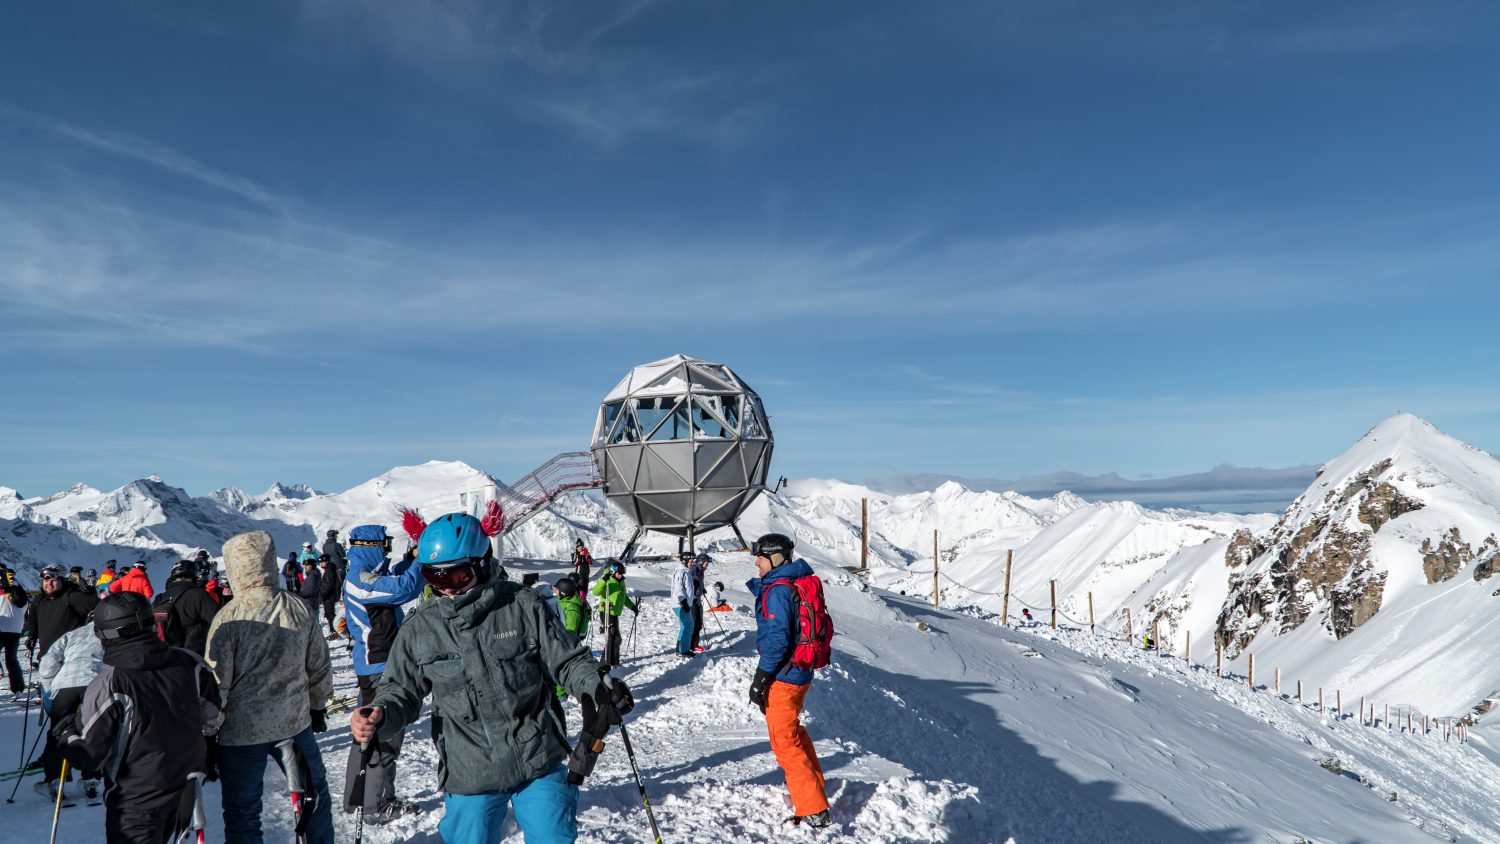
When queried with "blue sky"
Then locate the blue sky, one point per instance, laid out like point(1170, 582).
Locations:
point(308, 241)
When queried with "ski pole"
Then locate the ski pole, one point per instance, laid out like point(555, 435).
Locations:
point(22, 767)
point(722, 633)
point(366, 750)
point(633, 620)
point(57, 810)
point(639, 783)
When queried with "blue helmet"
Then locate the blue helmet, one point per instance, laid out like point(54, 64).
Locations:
point(450, 538)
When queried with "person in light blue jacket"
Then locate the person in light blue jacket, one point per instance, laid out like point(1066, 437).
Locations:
point(374, 595)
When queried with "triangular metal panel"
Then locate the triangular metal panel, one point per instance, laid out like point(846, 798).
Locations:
point(668, 508)
point(678, 456)
point(718, 505)
point(708, 455)
point(729, 473)
point(752, 451)
point(656, 476)
point(626, 460)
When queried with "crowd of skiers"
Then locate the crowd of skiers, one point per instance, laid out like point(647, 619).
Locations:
point(126, 674)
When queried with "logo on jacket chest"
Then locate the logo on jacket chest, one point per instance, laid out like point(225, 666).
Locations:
point(507, 634)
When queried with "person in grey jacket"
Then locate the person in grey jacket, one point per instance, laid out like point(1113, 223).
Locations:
point(488, 652)
point(271, 661)
point(65, 672)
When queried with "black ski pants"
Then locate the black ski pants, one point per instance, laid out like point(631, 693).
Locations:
point(612, 643)
point(11, 642)
point(127, 823)
point(65, 702)
point(697, 621)
point(330, 612)
point(380, 779)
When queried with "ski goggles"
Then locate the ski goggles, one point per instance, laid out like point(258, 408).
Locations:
point(452, 576)
point(52, 573)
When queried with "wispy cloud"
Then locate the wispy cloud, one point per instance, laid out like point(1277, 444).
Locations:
point(149, 152)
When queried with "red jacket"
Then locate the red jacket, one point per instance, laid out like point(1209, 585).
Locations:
point(134, 580)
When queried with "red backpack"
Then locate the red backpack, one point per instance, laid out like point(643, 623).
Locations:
point(814, 648)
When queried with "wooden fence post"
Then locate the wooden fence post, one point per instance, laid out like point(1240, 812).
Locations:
point(1218, 659)
point(934, 570)
point(1091, 613)
point(1424, 723)
point(1338, 703)
point(1005, 605)
point(1129, 629)
point(1156, 634)
point(1361, 710)
point(1053, 585)
point(1251, 678)
point(1278, 679)
point(864, 534)
point(1320, 699)
point(1187, 650)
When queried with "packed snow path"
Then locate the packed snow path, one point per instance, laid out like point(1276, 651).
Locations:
point(962, 731)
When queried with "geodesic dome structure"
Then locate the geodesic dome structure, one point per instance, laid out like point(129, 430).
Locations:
point(683, 445)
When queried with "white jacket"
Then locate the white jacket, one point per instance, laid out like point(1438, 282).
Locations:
point(12, 617)
point(73, 660)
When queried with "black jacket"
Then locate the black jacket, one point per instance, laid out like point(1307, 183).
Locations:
point(142, 722)
point(50, 616)
point(193, 610)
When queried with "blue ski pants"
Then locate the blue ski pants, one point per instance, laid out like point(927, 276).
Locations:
point(546, 811)
point(684, 630)
point(242, 775)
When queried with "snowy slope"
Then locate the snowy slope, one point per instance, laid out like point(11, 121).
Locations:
point(938, 726)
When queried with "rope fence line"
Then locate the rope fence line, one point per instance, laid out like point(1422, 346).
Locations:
point(1449, 728)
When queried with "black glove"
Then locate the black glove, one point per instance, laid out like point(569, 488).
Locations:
point(319, 720)
point(68, 724)
point(760, 688)
point(685, 606)
point(613, 699)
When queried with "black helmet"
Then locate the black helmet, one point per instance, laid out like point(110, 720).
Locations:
point(122, 615)
point(773, 543)
point(324, 558)
point(184, 570)
point(332, 534)
point(76, 570)
point(566, 587)
point(202, 555)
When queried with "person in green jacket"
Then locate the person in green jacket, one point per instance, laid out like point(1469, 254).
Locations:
point(610, 589)
point(487, 650)
point(575, 613)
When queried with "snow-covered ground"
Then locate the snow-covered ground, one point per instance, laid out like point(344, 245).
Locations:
point(944, 726)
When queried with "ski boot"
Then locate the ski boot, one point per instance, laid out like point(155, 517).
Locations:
point(391, 811)
point(91, 789)
point(817, 821)
point(49, 789)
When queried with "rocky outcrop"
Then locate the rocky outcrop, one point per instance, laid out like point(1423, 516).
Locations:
point(1488, 555)
point(1356, 600)
point(1446, 559)
point(1383, 504)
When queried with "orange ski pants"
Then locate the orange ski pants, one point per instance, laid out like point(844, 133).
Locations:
point(794, 748)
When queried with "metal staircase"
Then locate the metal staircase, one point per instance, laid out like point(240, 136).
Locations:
point(533, 492)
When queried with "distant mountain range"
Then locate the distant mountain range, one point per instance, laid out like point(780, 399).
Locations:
point(1225, 488)
point(1376, 580)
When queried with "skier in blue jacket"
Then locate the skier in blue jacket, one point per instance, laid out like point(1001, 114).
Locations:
point(374, 593)
point(780, 685)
